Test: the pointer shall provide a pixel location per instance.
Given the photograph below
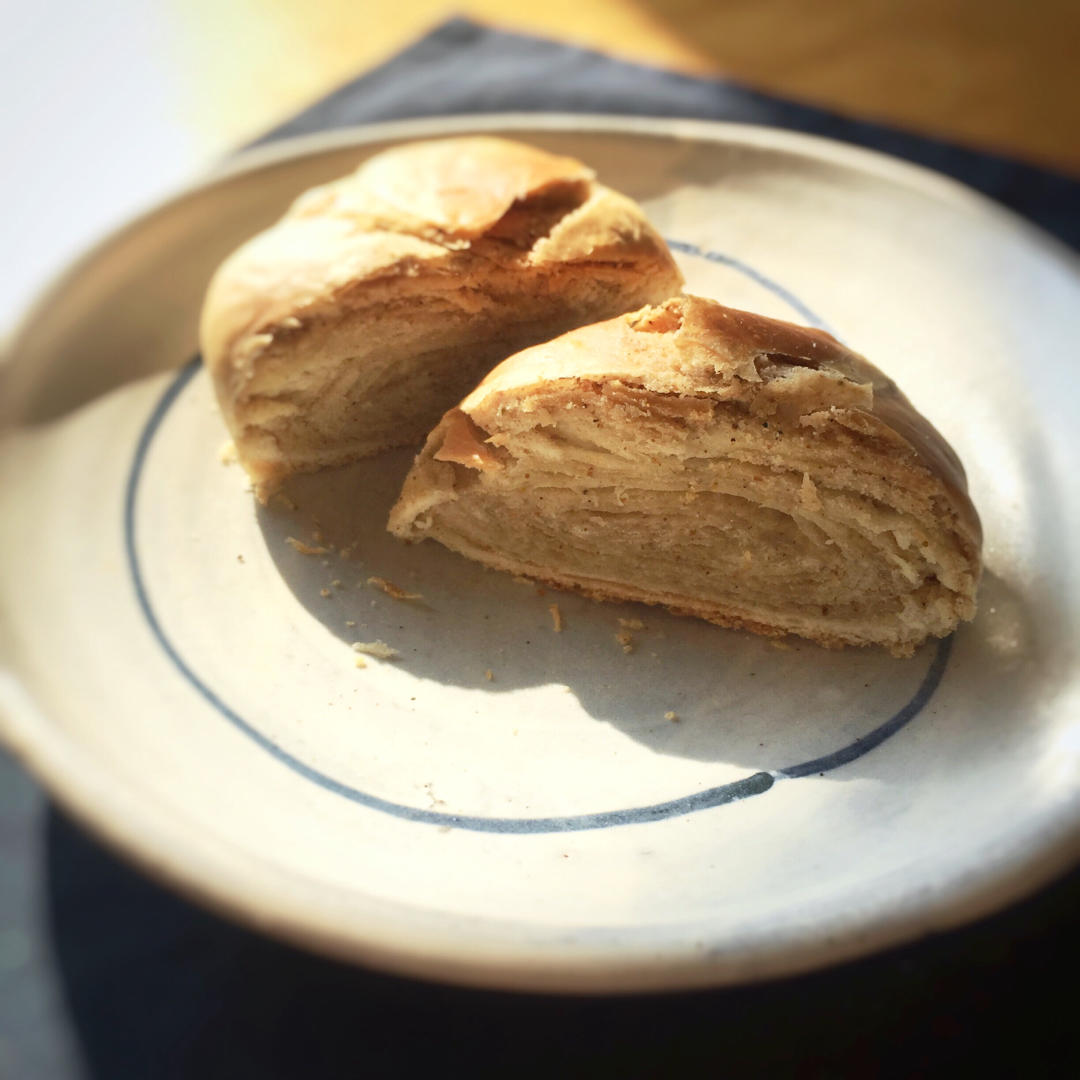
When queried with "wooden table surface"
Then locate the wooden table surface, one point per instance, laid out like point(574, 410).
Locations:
point(995, 74)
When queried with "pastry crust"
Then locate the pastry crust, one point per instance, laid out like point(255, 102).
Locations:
point(725, 465)
point(377, 300)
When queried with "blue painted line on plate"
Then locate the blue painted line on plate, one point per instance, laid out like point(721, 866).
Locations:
point(865, 743)
point(755, 784)
point(753, 274)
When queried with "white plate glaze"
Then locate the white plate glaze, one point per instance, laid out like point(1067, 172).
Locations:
point(176, 677)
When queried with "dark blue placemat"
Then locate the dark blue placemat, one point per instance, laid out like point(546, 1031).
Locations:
point(105, 974)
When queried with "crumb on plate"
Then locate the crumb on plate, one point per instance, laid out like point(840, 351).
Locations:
point(379, 649)
point(305, 549)
point(396, 591)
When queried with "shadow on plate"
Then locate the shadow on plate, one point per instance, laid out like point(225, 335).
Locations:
point(738, 698)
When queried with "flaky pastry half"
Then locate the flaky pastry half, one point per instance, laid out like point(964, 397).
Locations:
point(744, 470)
point(378, 300)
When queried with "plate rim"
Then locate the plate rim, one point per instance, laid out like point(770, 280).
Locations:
point(81, 783)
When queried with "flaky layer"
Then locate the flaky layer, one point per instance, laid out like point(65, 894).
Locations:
point(405, 282)
point(761, 492)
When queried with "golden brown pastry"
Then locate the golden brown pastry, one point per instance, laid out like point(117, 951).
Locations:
point(378, 300)
point(748, 471)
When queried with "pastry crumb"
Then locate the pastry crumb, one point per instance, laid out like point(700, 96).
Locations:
point(305, 549)
point(626, 640)
point(489, 675)
point(396, 591)
point(780, 643)
point(379, 649)
point(631, 624)
point(672, 716)
point(361, 662)
point(336, 583)
point(324, 593)
point(240, 558)
point(556, 618)
point(350, 623)
point(808, 495)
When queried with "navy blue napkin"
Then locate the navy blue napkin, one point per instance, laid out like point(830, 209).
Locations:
point(106, 974)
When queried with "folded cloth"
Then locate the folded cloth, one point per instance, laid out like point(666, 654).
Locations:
point(462, 67)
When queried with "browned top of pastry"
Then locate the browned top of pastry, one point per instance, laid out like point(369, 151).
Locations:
point(458, 187)
point(419, 218)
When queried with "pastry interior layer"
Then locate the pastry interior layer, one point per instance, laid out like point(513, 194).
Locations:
point(379, 300)
point(703, 507)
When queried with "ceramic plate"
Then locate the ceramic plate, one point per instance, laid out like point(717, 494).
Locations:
point(504, 804)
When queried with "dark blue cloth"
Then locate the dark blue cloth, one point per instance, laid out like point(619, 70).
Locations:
point(105, 974)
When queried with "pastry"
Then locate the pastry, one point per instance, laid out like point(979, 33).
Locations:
point(722, 464)
point(378, 300)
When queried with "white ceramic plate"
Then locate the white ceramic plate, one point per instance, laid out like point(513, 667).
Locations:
point(177, 677)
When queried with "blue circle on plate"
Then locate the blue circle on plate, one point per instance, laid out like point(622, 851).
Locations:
point(754, 784)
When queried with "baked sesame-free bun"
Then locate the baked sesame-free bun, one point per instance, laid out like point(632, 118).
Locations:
point(378, 300)
point(748, 471)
